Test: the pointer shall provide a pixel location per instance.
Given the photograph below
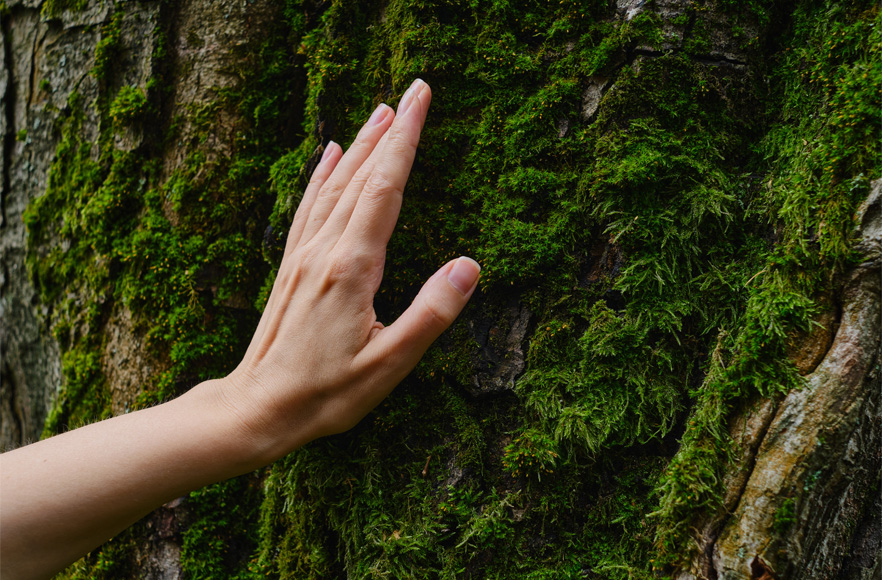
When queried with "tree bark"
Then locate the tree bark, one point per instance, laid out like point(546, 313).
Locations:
point(671, 367)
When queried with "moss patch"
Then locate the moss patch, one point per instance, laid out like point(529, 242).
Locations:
point(665, 247)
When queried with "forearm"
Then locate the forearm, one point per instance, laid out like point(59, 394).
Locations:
point(66, 495)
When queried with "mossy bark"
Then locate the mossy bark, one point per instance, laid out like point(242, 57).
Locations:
point(671, 367)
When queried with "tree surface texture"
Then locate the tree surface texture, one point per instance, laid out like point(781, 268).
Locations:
point(671, 366)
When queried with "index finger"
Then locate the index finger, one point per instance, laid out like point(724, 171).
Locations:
point(379, 202)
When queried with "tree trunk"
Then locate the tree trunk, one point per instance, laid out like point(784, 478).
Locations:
point(671, 367)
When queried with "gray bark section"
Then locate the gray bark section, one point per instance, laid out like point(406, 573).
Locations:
point(44, 61)
point(30, 371)
point(60, 51)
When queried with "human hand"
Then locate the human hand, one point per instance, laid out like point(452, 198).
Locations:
point(319, 360)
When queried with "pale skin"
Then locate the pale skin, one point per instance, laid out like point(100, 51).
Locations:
point(319, 361)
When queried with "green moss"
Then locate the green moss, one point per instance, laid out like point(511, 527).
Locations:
point(107, 49)
point(85, 397)
point(785, 516)
point(532, 453)
point(218, 541)
point(609, 386)
point(112, 560)
point(129, 106)
point(664, 171)
point(665, 248)
point(54, 8)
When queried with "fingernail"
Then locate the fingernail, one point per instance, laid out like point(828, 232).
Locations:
point(326, 152)
point(410, 95)
point(378, 115)
point(464, 274)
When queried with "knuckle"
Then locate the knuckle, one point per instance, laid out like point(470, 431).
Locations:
point(405, 140)
point(398, 145)
point(339, 270)
point(361, 176)
point(382, 184)
point(345, 265)
point(366, 139)
point(317, 180)
point(353, 266)
point(438, 314)
point(307, 256)
point(330, 189)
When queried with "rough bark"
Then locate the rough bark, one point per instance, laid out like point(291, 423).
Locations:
point(803, 499)
point(821, 454)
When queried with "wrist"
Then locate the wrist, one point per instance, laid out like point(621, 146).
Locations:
point(257, 429)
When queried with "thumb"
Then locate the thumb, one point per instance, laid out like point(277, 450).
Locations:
point(437, 305)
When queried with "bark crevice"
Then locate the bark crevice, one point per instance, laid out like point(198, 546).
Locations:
point(8, 99)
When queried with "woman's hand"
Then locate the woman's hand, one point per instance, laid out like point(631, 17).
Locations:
point(319, 360)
